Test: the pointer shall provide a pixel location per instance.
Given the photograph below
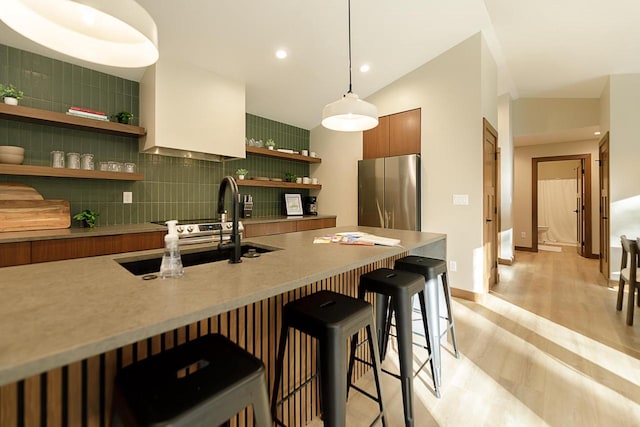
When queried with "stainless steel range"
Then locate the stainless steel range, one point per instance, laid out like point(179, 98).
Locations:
point(204, 230)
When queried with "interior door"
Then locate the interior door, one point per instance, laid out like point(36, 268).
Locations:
point(580, 207)
point(490, 232)
point(604, 205)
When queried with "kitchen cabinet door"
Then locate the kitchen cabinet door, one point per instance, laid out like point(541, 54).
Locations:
point(314, 224)
point(404, 133)
point(15, 254)
point(396, 135)
point(375, 142)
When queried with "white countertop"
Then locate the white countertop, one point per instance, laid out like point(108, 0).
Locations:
point(55, 313)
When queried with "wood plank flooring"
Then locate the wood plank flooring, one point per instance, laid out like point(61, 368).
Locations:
point(546, 348)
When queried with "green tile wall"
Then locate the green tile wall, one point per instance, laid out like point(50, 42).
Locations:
point(172, 188)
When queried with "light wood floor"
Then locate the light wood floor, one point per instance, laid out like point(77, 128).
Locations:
point(547, 347)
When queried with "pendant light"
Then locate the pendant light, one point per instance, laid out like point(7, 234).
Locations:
point(350, 113)
point(117, 33)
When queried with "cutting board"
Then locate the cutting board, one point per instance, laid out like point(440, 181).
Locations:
point(25, 215)
point(22, 208)
point(15, 191)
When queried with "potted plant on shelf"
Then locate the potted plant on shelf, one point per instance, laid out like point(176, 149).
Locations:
point(88, 218)
point(241, 173)
point(122, 117)
point(270, 144)
point(10, 94)
point(290, 177)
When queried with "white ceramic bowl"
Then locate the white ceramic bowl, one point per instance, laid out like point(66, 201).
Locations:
point(11, 149)
point(11, 154)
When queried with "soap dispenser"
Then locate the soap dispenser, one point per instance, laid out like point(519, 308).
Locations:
point(171, 262)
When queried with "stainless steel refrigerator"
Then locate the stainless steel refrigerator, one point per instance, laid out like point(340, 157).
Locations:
point(389, 192)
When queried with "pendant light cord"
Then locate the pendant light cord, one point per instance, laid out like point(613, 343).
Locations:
point(349, 46)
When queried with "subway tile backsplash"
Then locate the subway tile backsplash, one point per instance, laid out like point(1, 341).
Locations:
point(172, 188)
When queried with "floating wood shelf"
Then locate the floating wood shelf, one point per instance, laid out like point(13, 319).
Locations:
point(281, 155)
point(44, 117)
point(6, 169)
point(277, 184)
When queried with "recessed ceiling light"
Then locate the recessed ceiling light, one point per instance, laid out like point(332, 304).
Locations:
point(281, 53)
point(364, 68)
point(596, 133)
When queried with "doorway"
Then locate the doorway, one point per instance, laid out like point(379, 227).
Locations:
point(577, 200)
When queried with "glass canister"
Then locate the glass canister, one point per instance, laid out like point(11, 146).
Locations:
point(73, 160)
point(57, 159)
point(130, 167)
point(104, 166)
point(86, 161)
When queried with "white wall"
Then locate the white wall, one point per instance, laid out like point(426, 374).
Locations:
point(505, 141)
point(522, 185)
point(449, 91)
point(338, 172)
point(624, 145)
point(540, 115)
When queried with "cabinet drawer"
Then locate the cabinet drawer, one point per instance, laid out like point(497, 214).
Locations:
point(266, 229)
point(314, 224)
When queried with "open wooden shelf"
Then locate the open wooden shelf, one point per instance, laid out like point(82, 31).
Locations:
point(44, 117)
point(6, 169)
point(277, 184)
point(281, 155)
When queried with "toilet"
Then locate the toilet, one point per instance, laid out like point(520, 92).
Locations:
point(542, 233)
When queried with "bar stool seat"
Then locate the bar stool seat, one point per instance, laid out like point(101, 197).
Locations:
point(394, 290)
point(331, 318)
point(431, 268)
point(203, 382)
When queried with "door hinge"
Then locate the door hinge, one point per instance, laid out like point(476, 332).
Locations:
point(495, 264)
point(495, 210)
point(495, 156)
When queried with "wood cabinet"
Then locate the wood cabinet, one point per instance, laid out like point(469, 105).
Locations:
point(21, 253)
point(280, 227)
point(396, 135)
point(18, 253)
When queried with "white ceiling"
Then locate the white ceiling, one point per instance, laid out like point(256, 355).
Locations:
point(543, 48)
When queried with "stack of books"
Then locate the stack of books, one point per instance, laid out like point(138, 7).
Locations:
point(86, 113)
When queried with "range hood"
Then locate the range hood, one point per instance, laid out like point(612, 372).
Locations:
point(191, 112)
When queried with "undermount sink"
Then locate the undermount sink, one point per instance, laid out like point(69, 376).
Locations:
point(140, 266)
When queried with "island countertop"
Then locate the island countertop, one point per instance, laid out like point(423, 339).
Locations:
point(55, 313)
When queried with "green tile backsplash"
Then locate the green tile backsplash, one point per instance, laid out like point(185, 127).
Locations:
point(172, 188)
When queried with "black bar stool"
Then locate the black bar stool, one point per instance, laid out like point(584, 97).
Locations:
point(332, 319)
point(394, 290)
point(431, 268)
point(202, 382)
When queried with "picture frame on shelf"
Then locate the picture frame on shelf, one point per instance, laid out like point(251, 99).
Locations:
point(293, 204)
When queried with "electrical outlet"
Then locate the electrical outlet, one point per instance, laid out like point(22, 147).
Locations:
point(523, 235)
point(453, 266)
point(127, 197)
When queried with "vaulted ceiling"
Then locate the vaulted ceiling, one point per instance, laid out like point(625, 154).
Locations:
point(544, 48)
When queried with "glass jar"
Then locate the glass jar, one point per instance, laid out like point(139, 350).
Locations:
point(130, 167)
point(86, 162)
point(73, 160)
point(104, 166)
point(57, 159)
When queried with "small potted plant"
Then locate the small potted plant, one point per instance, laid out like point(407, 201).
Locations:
point(10, 94)
point(122, 117)
point(290, 177)
point(241, 173)
point(270, 144)
point(88, 218)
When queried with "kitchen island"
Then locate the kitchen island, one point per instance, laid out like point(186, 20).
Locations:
point(68, 326)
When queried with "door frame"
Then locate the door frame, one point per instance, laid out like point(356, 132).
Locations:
point(588, 238)
point(605, 236)
point(492, 277)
